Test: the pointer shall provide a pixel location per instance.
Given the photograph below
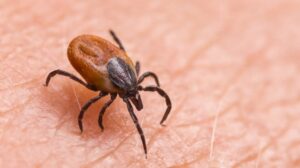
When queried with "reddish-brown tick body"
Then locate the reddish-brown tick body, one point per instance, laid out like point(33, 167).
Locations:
point(90, 54)
point(107, 68)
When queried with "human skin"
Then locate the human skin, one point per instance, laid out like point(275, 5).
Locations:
point(231, 69)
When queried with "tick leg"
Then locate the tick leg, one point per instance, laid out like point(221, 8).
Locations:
point(67, 74)
point(117, 40)
point(149, 74)
point(137, 68)
point(86, 106)
point(163, 94)
point(107, 104)
point(137, 125)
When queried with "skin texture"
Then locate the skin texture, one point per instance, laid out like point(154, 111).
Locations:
point(231, 69)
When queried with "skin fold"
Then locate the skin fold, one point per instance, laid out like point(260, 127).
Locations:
point(231, 69)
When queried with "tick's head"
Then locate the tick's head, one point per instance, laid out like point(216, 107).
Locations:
point(136, 99)
point(124, 77)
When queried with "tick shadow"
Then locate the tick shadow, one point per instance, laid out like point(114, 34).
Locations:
point(64, 100)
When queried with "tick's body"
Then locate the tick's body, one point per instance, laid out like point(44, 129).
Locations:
point(108, 69)
point(90, 55)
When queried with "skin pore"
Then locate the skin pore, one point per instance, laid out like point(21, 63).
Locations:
point(230, 68)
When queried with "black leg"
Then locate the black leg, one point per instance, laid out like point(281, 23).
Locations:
point(137, 125)
point(149, 74)
point(163, 94)
point(86, 106)
point(117, 40)
point(107, 104)
point(67, 74)
point(137, 68)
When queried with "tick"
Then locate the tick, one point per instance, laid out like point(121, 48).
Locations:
point(108, 70)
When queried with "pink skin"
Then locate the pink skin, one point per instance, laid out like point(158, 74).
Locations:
point(231, 70)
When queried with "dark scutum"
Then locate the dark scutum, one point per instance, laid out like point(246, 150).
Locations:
point(121, 74)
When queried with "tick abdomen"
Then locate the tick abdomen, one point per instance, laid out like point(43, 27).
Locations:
point(89, 55)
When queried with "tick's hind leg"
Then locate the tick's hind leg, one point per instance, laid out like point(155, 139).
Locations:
point(67, 74)
point(137, 124)
point(163, 94)
point(107, 104)
point(86, 106)
point(149, 74)
point(117, 40)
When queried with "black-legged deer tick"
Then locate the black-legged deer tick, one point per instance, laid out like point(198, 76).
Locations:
point(108, 69)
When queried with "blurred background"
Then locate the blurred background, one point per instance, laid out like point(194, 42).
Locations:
point(231, 69)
